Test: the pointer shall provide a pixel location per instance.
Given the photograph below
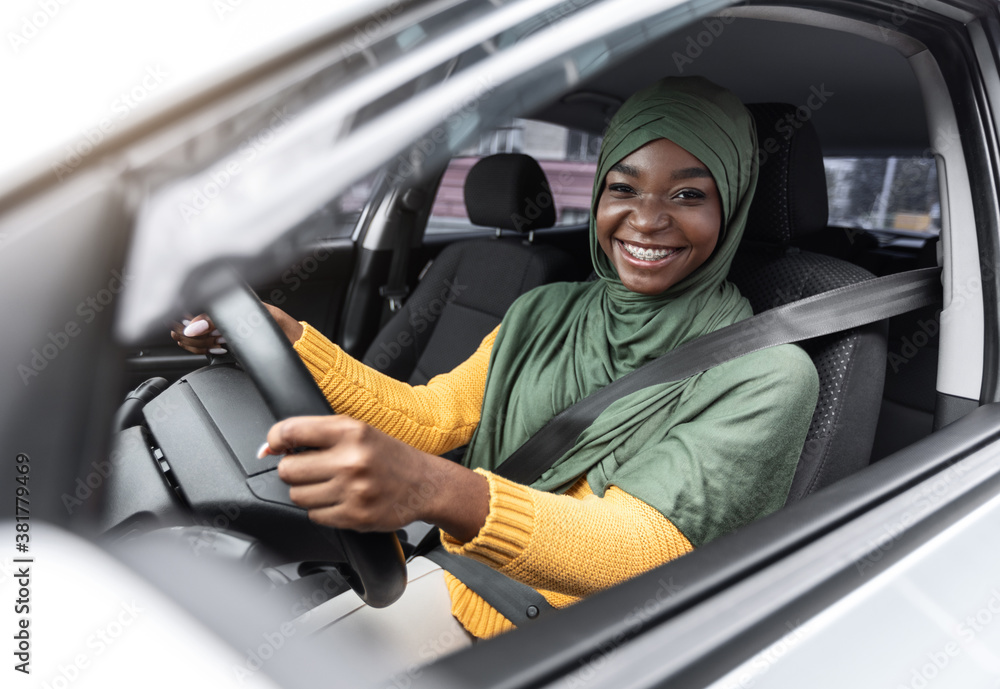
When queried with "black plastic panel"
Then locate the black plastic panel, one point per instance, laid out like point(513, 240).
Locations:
point(268, 486)
point(243, 426)
point(949, 409)
point(138, 490)
point(209, 425)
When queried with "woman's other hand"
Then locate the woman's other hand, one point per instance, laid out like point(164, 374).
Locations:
point(291, 327)
point(356, 477)
point(199, 335)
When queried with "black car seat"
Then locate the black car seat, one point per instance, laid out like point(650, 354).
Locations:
point(471, 284)
point(791, 203)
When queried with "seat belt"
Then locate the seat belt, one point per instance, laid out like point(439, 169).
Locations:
point(395, 290)
point(518, 602)
point(830, 312)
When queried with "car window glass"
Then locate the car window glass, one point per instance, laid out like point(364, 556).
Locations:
point(568, 157)
point(896, 194)
point(339, 218)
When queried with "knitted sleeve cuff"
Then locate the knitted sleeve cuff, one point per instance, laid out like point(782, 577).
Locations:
point(317, 353)
point(508, 528)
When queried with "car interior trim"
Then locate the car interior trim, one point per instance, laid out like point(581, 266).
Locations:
point(960, 366)
point(987, 62)
point(948, 409)
point(356, 329)
point(379, 233)
point(989, 234)
point(906, 45)
point(980, 149)
point(372, 203)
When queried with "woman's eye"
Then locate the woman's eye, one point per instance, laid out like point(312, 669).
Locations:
point(621, 188)
point(690, 194)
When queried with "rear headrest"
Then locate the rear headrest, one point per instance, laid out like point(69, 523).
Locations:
point(790, 200)
point(509, 191)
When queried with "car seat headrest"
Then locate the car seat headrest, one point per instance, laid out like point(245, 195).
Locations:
point(791, 199)
point(509, 191)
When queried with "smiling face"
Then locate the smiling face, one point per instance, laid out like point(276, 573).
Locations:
point(658, 217)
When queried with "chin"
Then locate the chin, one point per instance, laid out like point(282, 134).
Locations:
point(646, 288)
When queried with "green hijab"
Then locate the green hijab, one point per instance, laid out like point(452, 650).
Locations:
point(562, 342)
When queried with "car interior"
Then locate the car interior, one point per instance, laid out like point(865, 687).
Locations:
point(414, 303)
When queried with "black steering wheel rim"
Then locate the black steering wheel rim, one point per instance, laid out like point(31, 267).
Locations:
point(376, 568)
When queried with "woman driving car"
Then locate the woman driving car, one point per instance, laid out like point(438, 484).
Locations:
point(660, 472)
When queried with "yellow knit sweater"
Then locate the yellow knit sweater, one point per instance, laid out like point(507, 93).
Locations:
point(566, 546)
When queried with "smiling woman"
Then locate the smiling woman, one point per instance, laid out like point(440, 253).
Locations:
point(658, 217)
point(663, 470)
point(857, 78)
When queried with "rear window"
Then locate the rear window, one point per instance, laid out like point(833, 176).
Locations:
point(896, 194)
point(568, 157)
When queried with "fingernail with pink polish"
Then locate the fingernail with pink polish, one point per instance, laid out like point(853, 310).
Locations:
point(195, 329)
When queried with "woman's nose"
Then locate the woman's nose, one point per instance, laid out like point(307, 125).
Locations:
point(650, 215)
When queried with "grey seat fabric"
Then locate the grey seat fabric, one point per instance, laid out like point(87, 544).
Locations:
point(791, 204)
point(471, 284)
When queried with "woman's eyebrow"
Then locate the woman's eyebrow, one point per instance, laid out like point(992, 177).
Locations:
point(625, 169)
point(691, 173)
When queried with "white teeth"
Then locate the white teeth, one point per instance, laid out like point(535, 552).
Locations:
point(647, 254)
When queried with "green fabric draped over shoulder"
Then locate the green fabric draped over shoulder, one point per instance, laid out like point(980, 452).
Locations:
point(710, 452)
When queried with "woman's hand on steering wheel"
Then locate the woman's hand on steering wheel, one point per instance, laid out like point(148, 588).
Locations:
point(356, 477)
point(198, 334)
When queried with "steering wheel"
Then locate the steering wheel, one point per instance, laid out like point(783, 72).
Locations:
point(376, 566)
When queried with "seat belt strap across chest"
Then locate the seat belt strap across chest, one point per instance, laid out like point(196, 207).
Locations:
point(840, 309)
